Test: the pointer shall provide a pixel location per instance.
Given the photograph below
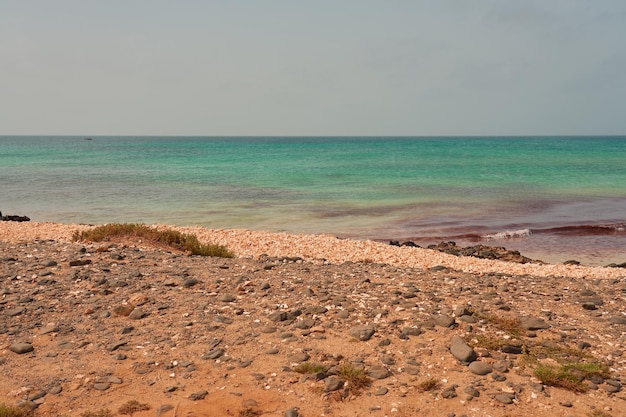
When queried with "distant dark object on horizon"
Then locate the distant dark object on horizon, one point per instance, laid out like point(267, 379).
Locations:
point(13, 218)
point(88, 138)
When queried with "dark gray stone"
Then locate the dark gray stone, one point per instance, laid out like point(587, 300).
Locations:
point(362, 333)
point(378, 372)
point(21, 347)
point(533, 323)
point(505, 398)
point(461, 350)
point(480, 368)
point(333, 384)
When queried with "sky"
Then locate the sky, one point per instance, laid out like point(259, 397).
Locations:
point(312, 68)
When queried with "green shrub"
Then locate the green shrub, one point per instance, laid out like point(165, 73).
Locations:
point(171, 238)
point(310, 368)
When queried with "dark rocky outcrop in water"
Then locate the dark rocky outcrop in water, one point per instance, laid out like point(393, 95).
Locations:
point(13, 218)
point(477, 251)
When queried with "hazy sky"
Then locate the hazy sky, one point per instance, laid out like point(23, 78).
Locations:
point(290, 67)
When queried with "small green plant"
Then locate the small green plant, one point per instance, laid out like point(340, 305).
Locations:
point(103, 412)
point(563, 377)
point(310, 368)
point(10, 411)
point(171, 238)
point(131, 407)
point(430, 384)
point(355, 377)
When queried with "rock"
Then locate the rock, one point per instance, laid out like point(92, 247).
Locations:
point(227, 298)
point(461, 350)
point(410, 331)
point(299, 357)
point(12, 312)
point(381, 391)
point(378, 372)
point(505, 398)
point(516, 350)
point(292, 412)
point(80, 262)
point(213, 354)
point(278, 316)
point(617, 320)
point(470, 390)
point(332, 383)
point(362, 333)
point(21, 348)
point(164, 408)
point(305, 324)
point(137, 314)
point(449, 392)
point(480, 368)
point(197, 396)
point(533, 324)
point(444, 321)
point(102, 386)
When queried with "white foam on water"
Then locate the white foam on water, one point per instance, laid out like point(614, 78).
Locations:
point(509, 234)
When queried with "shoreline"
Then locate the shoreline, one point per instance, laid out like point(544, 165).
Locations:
point(325, 248)
point(91, 326)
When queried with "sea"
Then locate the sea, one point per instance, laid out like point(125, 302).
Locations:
point(552, 198)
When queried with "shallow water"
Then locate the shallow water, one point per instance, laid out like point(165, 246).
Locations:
point(381, 188)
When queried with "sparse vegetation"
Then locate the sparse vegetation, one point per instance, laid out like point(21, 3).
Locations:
point(103, 412)
point(430, 384)
point(510, 325)
point(570, 376)
point(171, 238)
point(310, 368)
point(10, 411)
point(131, 407)
point(355, 377)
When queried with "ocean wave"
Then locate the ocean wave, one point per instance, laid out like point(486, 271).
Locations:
point(508, 234)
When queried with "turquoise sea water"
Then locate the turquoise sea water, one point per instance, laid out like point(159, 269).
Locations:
point(556, 198)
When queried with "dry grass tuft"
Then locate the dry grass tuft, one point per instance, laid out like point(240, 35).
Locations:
point(171, 238)
point(310, 368)
point(430, 384)
point(355, 377)
point(9, 411)
point(131, 407)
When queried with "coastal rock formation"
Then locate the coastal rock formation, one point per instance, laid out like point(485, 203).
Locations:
point(13, 218)
point(476, 251)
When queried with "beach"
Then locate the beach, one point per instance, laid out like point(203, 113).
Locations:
point(282, 328)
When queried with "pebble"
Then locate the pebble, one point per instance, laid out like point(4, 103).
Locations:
point(461, 350)
point(505, 398)
point(480, 368)
point(21, 348)
point(332, 383)
point(362, 333)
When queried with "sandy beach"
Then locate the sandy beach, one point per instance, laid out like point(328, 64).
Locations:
point(87, 327)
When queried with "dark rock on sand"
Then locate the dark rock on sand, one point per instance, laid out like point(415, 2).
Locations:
point(362, 333)
point(461, 350)
point(21, 347)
